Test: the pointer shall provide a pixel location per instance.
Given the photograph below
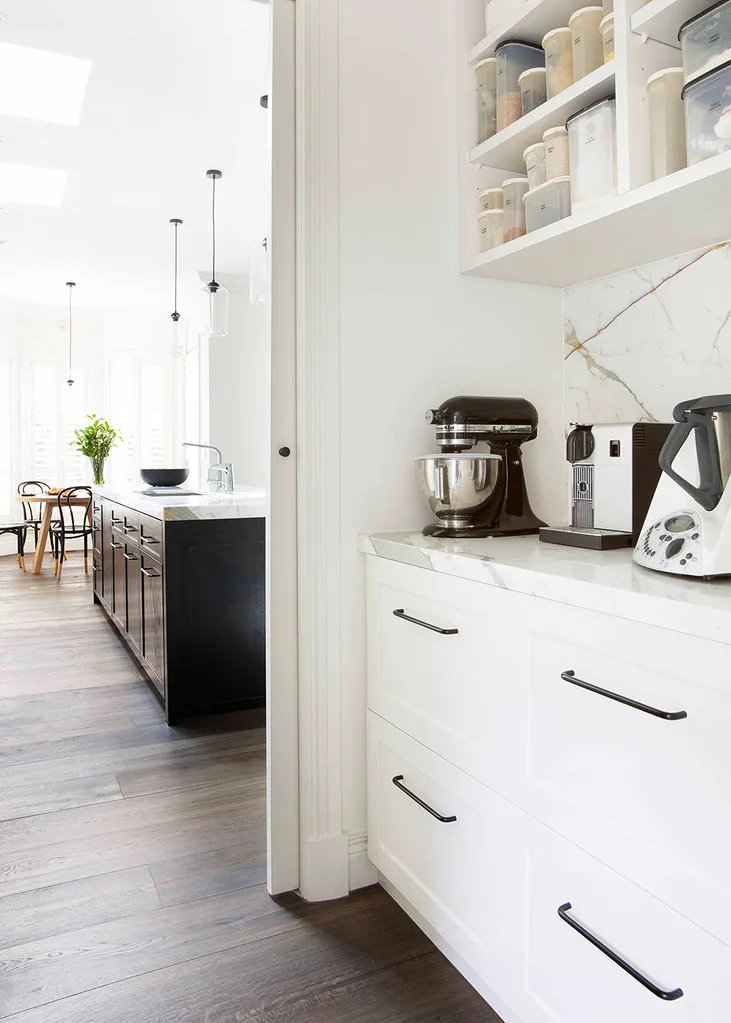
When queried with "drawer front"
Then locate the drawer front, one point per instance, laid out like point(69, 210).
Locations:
point(438, 865)
point(438, 686)
point(131, 525)
point(150, 535)
point(116, 518)
point(645, 785)
point(552, 972)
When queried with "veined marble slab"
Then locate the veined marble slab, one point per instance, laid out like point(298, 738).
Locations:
point(244, 503)
point(605, 581)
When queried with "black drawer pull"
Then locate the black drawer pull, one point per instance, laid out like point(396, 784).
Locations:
point(116, 546)
point(129, 529)
point(131, 557)
point(96, 568)
point(667, 996)
point(398, 780)
point(116, 520)
point(666, 715)
point(150, 574)
point(425, 625)
point(148, 539)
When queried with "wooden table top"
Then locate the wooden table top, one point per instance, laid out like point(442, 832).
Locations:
point(50, 499)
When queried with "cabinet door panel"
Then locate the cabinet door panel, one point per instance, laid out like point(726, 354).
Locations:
point(120, 583)
point(153, 618)
point(134, 595)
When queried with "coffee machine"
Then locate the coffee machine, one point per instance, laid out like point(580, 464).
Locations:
point(477, 493)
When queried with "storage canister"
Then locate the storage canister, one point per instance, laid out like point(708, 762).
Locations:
point(708, 114)
point(532, 85)
point(491, 199)
point(512, 60)
point(485, 75)
point(513, 210)
point(535, 164)
point(491, 229)
point(557, 152)
point(705, 40)
point(559, 61)
point(593, 153)
point(586, 40)
point(547, 203)
point(606, 27)
point(667, 121)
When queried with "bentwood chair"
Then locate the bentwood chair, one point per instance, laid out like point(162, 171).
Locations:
point(74, 522)
point(32, 512)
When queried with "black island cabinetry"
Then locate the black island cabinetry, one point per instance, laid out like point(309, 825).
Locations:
point(187, 596)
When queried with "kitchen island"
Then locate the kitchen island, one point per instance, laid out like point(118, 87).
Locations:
point(181, 577)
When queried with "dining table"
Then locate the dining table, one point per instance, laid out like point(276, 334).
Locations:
point(49, 502)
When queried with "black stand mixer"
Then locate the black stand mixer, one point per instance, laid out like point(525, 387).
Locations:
point(475, 494)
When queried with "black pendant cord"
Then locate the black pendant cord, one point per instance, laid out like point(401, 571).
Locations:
point(70, 285)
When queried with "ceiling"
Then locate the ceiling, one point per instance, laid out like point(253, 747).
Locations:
point(173, 89)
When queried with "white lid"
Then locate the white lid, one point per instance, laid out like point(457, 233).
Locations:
point(489, 191)
point(554, 32)
point(487, 60)
point(663, 72)
point(486, 213)
point(550, 133)
point(585, 10)
point(544, 186)
point(530, 149)
point(531, 71)
point(609, 20)
point(457, 455)
point(515, 181)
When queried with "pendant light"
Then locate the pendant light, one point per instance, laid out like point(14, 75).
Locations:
point(70, 285)
point(216, 297)
point(179, 338)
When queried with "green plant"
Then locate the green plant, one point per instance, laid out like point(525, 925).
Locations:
point(95, 441)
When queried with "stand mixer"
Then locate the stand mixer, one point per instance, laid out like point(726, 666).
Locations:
point(477, 494)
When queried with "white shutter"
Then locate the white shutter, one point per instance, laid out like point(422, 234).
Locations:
point(9, 507)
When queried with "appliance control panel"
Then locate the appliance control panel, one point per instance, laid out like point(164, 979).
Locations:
point(672, 544)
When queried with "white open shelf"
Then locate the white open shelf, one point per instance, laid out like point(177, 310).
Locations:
point(537, 18)
point(661, 19)
point(684, 211)
point(505, 150)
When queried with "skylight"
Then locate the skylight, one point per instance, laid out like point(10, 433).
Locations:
point(42, 86)
point(37, 186)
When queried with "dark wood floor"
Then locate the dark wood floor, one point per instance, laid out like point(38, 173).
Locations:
point(132, 856)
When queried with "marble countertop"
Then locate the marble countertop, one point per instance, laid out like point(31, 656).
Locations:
point(244, 503)
point(605, 581)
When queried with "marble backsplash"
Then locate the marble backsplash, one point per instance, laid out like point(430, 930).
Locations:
point(638, 343)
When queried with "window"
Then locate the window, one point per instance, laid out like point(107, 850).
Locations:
point(56, 411)
point(141, 407)
point(9, 508)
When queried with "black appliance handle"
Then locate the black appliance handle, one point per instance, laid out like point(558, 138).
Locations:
point(691, 417)
point(580, 443)
point(398, 782)
point(667, 996)
point(666, 715)
point(400, 613)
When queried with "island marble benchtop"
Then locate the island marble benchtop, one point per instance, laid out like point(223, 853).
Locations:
point(604, 581)
point(244, 503)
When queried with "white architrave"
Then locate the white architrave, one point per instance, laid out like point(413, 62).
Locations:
point(323, 845)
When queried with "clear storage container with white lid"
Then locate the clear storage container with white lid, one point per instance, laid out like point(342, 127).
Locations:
point(513, 58)
point(557, 152)
point(532, 85)
point(606, 27)
point(547, 204)
point(667, 121)
point(586, 40)
point(513, 210)
point(559, 61)
point(705, 40)
point(535, 164)
point(485, 85)
point(708, 114)
point(491, 199)
point(491, 229)
point(593, 153)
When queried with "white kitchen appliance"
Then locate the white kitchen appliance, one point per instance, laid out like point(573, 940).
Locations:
point(687, 530)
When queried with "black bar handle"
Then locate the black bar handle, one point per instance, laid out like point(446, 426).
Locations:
point(116, 546)
point(398, 782)
point(666, 715)
point(667, 996)
point(149, 573)
point(129, 529)
point(148, 539)
point(399, 612)
point(131, 557)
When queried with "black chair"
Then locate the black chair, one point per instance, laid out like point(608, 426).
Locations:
point(32, 513)
point(74, 522)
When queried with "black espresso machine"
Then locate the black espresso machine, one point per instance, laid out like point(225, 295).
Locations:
point(477, 493)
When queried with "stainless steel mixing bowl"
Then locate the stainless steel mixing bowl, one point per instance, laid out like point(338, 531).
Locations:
point(458, 486)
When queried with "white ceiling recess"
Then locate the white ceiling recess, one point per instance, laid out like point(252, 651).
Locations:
point(173, 89)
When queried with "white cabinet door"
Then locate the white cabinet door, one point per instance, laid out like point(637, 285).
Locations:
point(551, 972)
point(431, 832)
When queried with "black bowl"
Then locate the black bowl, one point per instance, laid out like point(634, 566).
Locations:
point(164, 477)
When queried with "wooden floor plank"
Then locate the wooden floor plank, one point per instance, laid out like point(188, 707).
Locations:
point(51, 796)
point(245, 766)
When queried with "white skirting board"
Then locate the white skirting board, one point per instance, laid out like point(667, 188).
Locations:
point(490, 996)
point(361, 872)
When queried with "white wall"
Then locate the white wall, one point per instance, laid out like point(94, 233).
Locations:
point(413, 332)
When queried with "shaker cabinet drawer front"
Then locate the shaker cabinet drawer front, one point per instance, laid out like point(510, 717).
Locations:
point(582, 943)
point(628, 754)
point(433, 658)
point(150, 535)
point(429, 834)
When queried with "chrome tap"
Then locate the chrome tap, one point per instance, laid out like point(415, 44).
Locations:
point(220, 474)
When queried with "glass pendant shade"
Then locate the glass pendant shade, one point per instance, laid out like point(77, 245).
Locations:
point(215, 299)
point(179, 336)
point(258, 289)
